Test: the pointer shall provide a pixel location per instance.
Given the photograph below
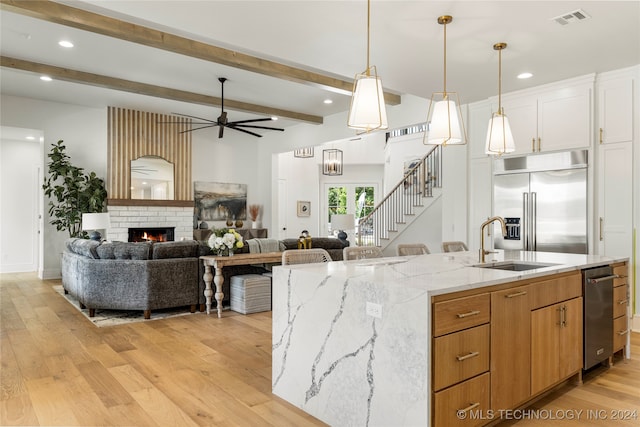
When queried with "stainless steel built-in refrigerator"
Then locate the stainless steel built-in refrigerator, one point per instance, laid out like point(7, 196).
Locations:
point(543, 199)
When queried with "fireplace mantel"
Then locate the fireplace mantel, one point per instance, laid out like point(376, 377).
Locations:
point(140, 202)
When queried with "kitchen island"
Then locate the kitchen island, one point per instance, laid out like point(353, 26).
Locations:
point(353, 341)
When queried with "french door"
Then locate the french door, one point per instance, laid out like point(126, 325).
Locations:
point(340, 198)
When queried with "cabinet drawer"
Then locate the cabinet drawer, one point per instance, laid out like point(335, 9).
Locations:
point(471, 396)
point(620, 332)
point(623, 272)
point(460, 313)
point(555, 290)
point(620, 301)
point(459, 356)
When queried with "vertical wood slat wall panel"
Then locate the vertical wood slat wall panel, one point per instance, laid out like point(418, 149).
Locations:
point(132, 134)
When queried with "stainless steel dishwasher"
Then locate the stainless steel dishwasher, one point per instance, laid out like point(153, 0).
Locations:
point(598, 315)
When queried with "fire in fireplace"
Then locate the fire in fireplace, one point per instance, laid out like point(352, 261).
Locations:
point(151, 234)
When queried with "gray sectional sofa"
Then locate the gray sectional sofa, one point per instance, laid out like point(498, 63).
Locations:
point(133, 276)
point(150, 276)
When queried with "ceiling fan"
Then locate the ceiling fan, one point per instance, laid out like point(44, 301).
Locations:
point(222, 121)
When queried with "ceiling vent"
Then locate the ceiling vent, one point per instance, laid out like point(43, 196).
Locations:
point(571, 17)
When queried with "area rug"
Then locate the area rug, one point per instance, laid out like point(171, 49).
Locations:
point(120, 317)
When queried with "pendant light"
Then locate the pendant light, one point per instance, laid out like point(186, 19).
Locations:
point(444, 119)
point(367, 111)
point(303, 153)
point(332, 162)
point(499, 136)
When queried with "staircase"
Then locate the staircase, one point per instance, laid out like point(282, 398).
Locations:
point(403, 202)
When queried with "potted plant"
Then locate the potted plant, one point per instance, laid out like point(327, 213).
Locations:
point(71, 192)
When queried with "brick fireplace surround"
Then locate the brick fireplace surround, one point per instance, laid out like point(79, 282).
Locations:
point(123, 217)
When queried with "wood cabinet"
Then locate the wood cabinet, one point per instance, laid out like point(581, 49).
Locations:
point(460, 359)
point(510, 347)
point(460, 356)
point(468, 398)
point(460, 313)
point(556, 343)
point(621, 297)
point(499, 349)
point(555, 118)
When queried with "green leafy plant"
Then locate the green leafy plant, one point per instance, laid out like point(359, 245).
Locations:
point(72, 192)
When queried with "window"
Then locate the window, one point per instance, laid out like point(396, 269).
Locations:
point(358, 199)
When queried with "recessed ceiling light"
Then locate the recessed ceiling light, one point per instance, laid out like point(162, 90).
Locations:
point(31, 138)
point(328, 101)
point(525, 75)
point(274, 118)
point(144, 183)
point(65, 43)
point(45, 78)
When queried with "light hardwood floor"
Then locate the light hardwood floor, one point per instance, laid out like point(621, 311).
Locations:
point(59, 369)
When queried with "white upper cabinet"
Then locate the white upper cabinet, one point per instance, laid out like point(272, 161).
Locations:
point(615, 106)
point(614, 125)
point(479, 114)
point(551, 118)
point(522, 112)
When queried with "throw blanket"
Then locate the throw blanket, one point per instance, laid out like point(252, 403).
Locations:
point(257, 246)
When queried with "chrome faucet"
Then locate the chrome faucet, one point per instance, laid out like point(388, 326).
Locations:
point(483, 252)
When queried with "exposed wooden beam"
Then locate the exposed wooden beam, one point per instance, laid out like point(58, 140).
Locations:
point(107, 82)
point(89, 21)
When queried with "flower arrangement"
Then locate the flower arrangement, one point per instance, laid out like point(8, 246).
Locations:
point(224, 241)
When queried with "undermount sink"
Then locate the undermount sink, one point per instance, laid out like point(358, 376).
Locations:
point(514, 265)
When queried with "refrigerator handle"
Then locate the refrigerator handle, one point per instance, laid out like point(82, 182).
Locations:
point(524, 227)
point(534, 220)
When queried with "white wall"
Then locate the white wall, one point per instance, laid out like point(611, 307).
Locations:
point(235, 158)
point(362, 158)
point(426, 229)
point(19, 204)
point(232, 159)
point(334, 129)
point(84, 131)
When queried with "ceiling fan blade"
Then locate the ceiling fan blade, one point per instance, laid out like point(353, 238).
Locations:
point(223, 122)
point(245, 131)
point(256, 127)
point(194, 117)
point(266, 119)
point(201, 127)
point(192, 123)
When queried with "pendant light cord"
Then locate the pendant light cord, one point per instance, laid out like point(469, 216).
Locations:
point(499, 47)
point(500, 81)
point(368, 33)
point(445, 60)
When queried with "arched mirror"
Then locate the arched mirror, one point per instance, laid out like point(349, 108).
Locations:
point(151, 178)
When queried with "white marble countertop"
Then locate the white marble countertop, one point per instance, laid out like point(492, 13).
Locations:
point(352, 339)
point(452, 272)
